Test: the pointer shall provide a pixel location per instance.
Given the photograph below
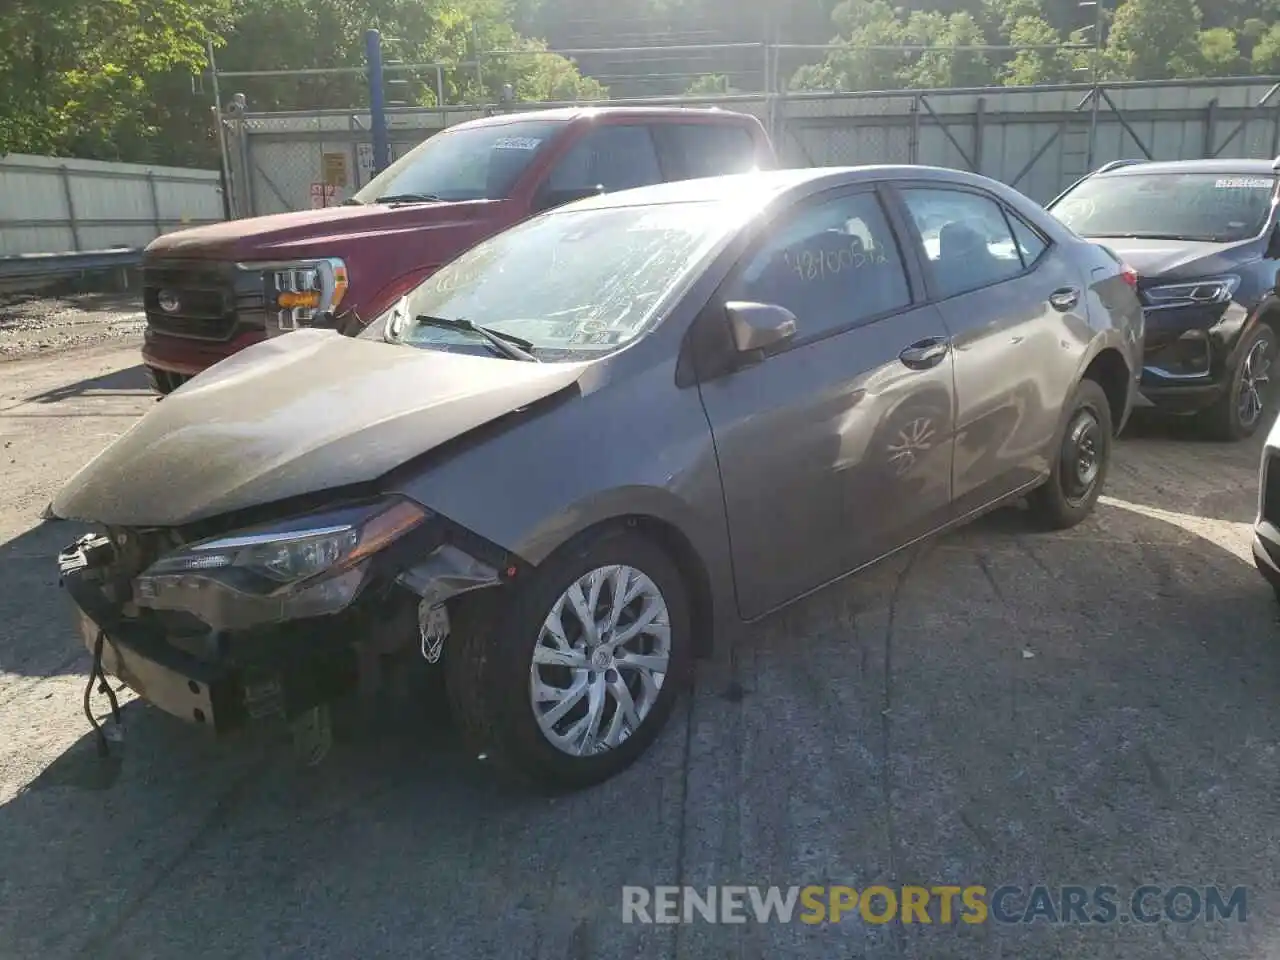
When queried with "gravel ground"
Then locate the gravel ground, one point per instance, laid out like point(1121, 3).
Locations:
point(997, 707)
point(32, 325)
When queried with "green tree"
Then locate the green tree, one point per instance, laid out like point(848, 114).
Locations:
point(1265, 56)
point(1030, 66)
point(1155, 39)
point(710, 84)
point(863, 24)
point(95, 77)
point(1219, 55)
point(945, 62)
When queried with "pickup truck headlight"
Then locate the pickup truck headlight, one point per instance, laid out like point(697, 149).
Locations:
point(298, 291)
point(1197, 292)
point(309, 566)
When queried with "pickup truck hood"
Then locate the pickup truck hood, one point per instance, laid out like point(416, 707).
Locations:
point(326, 232)
point(298, 414)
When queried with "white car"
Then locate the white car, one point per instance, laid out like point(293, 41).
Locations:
point(1266, 529)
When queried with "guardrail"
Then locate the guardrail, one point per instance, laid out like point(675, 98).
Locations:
point(39, 266)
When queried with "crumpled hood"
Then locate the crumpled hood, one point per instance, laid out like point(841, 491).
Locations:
point(333, 231)
point(1175, 259)
point(298, 414)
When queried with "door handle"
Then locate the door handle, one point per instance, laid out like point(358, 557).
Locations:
point(924, 354)
point(1064, 299)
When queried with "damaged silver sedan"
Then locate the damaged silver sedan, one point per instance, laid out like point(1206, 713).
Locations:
point(581, 454)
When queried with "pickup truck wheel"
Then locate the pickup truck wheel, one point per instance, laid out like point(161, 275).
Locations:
point(1080, 466)
point(1240, 410)
point(568, 678)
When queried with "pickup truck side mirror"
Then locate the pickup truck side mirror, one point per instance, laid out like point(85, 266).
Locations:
point(755, 328)
point(549, 199)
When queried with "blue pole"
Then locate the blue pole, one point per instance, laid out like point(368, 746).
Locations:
point(377, 105)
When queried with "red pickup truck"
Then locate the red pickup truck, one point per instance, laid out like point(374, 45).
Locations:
point(213, 290)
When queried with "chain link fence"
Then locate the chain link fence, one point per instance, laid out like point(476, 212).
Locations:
point(1038, 139)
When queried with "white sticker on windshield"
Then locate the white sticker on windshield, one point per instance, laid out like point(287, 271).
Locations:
point(1243, 183)
point(516, 143)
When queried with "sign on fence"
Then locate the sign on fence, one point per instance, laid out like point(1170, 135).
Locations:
point(335, 169)
point(323, 195)
point(364, 160)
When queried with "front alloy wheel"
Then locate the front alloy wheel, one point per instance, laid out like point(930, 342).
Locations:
point(600, 661)
point(567, 677)
point(1240, 410)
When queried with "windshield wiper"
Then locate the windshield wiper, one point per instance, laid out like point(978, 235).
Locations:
point(409, 198)
point(511, 347)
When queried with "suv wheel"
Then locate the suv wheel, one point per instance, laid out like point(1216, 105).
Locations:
point(568, 679)
point(1240, 410)
point(1080, 467)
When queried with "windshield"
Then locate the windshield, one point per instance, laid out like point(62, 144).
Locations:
point(1172, 206)
point(572, 284)
point(470, 163)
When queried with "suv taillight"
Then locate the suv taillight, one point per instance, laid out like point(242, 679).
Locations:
point(1129, 275)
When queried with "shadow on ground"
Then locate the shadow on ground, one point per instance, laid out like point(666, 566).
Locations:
point(131, 381)
point(997, 707)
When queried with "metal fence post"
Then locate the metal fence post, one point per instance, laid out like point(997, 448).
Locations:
point(979, 123)
point(155, 202)
point(377, 105)
point(1210, 126)
point(71, 206)
point(913, 145)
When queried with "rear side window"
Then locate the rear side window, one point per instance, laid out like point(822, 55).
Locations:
point(613, 156)
point(965, 237)
point(693, 150)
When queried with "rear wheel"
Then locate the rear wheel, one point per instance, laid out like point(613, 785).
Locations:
point(1080, 468)
point(1239, 411)
point(568, 678)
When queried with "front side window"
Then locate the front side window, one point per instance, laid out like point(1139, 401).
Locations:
point(1219, 207)
point(468, 163)
point(573, 283)
point(831, 264)
point(965, 238)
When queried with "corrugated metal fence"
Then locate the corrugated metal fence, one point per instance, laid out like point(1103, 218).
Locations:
point(57, 205)
point(1039, 139)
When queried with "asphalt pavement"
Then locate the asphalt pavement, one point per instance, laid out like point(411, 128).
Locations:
point(997, 707)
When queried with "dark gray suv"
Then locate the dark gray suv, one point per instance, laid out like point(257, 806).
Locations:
point(595, 444)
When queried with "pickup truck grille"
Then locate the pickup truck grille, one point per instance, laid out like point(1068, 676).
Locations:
point(201, 300)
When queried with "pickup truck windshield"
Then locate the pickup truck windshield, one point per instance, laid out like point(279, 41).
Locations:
point(570, 284)
point(475, 163)
point(1219, 207)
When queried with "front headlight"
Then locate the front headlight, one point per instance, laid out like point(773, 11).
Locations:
point(306, 567)
point(299, 291)
point(1198, 292)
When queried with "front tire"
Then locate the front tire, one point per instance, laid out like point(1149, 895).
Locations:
point(1080, 467)
point(1239, 411)
point(567, 678)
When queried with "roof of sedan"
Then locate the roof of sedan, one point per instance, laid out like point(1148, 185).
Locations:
point(764, 184)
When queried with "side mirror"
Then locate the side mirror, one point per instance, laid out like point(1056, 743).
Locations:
point(755, 328)
point(548, 199)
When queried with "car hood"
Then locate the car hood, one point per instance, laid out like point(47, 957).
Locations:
point(1174, 258)
point(298, 414)
point(325, 232)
